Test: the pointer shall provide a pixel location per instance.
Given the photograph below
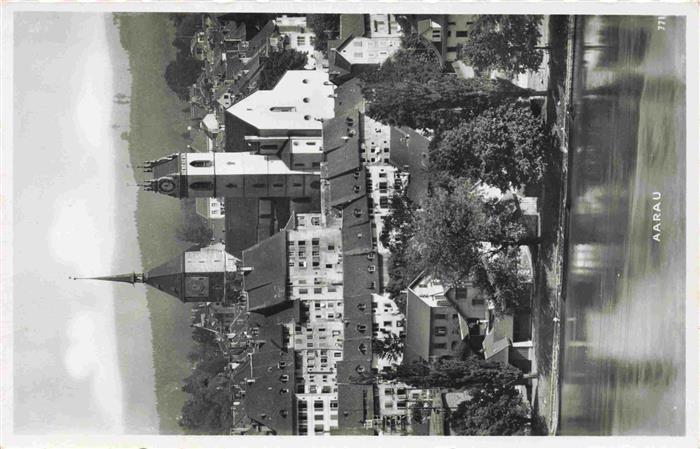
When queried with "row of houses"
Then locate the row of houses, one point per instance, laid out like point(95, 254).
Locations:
point(306, 179)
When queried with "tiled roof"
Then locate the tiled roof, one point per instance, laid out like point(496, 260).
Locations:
point(355, 404)
point(349, 98)
point(357, 229)
point(241, 223)
point(341, 144)
point(409, 151)
point(352, 24)
point(266, 284)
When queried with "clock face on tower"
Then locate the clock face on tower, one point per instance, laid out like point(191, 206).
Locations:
point(166, 185)
point(197, 286)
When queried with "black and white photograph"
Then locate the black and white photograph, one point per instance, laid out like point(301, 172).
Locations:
point(387, 220)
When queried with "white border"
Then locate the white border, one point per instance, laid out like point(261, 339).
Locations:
point(686, 8)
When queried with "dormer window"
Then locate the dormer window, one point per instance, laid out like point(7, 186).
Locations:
point(362, 348)
point(362, 306)
point(284, 378)
point(361, 328)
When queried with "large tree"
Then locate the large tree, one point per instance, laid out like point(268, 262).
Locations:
point(389, 347)
point(181, 73)
point(277, 64)
point(415, 61)
point(396, 235)
point(450, 373)
point(456, 226)
point(325, 27)
point(502, 282)
point(493, 411)
point(504, 147)
point(438, 103)
point(504, 42)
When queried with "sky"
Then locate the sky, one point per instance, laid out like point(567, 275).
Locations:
point(69, 168)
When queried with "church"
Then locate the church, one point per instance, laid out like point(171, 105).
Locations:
point(200, 274)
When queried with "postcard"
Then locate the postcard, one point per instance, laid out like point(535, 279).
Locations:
point(262, 220)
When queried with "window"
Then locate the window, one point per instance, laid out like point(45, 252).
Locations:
point(278, 185)
point(451, 49)
point(302, 253)
point(440, 316)
point(478, 301)
point(329, 265)
point(202, 185)
point(384, 202)
point(387, 324)
point(331, 247)
point(439, 345)
point(318, 291)
point(302, 264)
point(462, 33)
point(316, 263)
point(440, 331)
point(334, 404)
point(318, 405)
point(361, 327)
point(284, 378)
point(268, 147)
point(315, 221)
point(318, 428)
point(382, 175)
point(283, 109)
point(303, 291)
point(201, 163)
point(332, 289)
point(357, 43)
point(315, 242)
point(301, 243)
point(301, 40)
point(306, 100)
point(357, 54)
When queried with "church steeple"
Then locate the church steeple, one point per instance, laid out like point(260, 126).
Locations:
point(197, 275)
point(131, 278)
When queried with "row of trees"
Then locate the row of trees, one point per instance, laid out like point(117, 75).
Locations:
point(485, 135)
point(495, 407)
point(207, 411)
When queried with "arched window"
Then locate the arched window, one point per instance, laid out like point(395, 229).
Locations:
point(202, 185)
point(306, 99)
point(201, 163)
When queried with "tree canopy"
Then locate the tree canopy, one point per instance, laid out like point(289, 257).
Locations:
point(504, 147)
point(495, 411)
point(504, 42)
point(396, 235)
point(437, 103)
point(450, 373)
point(390, 347)
point(208, 407)
point(325, 27)
point(277, 64)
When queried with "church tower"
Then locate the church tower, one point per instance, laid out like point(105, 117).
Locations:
point(235, 175)
point(206, 274)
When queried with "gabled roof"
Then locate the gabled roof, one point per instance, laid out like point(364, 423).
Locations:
point(357, 228)
point(266, 284)
point(347, 187)
point(409, 151)
point(260, 41)
point(352, 24)
point(341, 144)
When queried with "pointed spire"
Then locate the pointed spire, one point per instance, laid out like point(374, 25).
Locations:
point(130, 278)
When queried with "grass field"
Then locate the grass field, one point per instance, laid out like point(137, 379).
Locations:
point(157, 122)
